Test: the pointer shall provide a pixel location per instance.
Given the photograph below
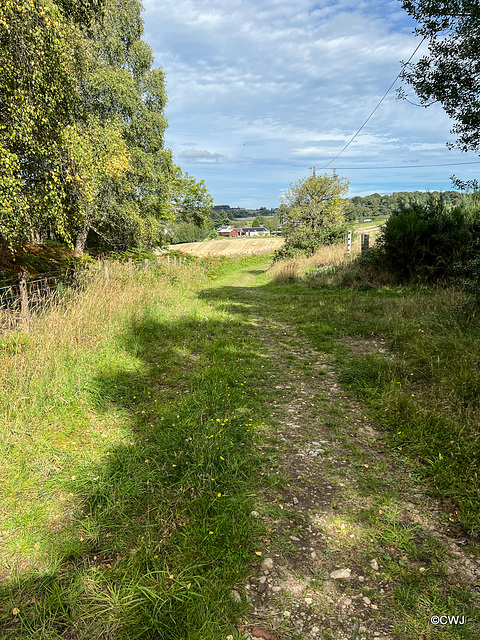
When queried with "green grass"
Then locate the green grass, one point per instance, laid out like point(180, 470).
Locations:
point(424, 389)
point(130, 456)
point(124, 418)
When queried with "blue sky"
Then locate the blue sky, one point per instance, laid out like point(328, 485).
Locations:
point(261, 90)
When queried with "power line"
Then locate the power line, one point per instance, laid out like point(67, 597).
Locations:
point(411, 166)
point(381, 100)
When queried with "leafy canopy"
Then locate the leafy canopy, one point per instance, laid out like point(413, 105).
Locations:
point(82, 127)
point(120, 85)
point(450, 73)
point(40, 58)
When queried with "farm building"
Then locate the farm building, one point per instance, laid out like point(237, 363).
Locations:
point(227, 231)
point(243, 231)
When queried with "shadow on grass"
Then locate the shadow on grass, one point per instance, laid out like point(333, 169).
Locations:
point(161, 529)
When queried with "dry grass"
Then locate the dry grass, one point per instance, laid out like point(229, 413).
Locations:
point(76, 328)
point(231, 246)
point(292, 268)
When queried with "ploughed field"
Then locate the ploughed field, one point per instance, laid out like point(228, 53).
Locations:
point(231, 246)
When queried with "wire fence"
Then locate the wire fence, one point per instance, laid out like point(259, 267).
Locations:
point(31, 295)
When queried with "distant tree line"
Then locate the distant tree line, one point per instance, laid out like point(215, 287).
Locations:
point(375, 205)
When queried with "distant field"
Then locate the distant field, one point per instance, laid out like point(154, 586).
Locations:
point(247, 246)
point(231, 246)
point(370, 228)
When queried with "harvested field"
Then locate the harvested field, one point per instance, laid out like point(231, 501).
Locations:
point(231, 247)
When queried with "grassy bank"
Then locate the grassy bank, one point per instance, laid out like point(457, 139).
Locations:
point(130, 431)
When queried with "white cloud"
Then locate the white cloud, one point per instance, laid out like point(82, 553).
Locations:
point(276, 86)
point(195, 155)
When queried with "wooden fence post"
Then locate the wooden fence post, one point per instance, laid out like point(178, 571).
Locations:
point(174, 261)
point(168, 260)
point(130, 268)
point(105, 266)
point(74, 278)
point(24, 314)
point(365, 242)
point(146, 264)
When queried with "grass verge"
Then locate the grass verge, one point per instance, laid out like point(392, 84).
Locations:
point(130, 445)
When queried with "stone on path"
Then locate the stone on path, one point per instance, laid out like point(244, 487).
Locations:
point(340, 573)
point(235, 596)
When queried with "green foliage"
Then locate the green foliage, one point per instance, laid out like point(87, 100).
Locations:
point(82, 128)
point(449, 73)
point(40, 61)
point(260, 221)
point(314, 214)
point(425, 239)
point(375, 205)
point(468, 273)
point(191, 200)
point(222, 214)
point(187, 232)
point(120, 85)
point(220, 218)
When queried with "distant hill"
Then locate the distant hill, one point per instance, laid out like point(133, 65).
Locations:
point(372, 206)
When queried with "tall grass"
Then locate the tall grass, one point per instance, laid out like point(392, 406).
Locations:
point(329, 256)
point(129, 436)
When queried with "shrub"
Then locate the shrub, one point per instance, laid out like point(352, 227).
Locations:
point(424, 240)
point(468, 273)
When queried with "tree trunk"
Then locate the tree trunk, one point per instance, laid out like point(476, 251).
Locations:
point(81, 240)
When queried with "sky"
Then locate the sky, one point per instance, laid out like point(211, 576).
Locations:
point(260, 91)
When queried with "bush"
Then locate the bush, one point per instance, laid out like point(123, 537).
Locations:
point(424, 240)
point(187, 232)
point(468, 273)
